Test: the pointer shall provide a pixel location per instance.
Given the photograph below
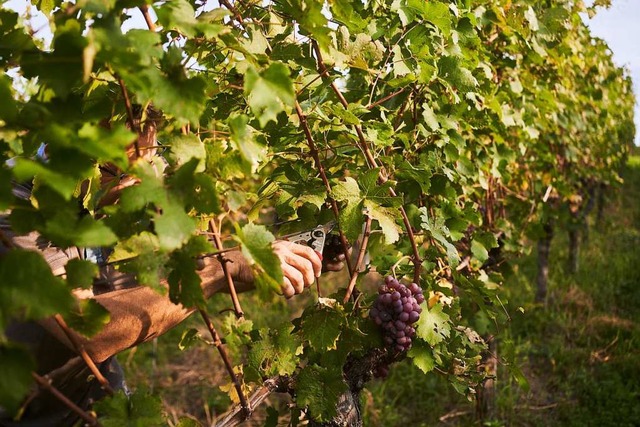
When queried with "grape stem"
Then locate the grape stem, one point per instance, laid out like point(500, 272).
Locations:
point(394, 266)
point(356, 268)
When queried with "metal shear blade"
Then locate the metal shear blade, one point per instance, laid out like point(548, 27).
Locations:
point(314, 238)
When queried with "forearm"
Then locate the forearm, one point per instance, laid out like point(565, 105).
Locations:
point(139, 314)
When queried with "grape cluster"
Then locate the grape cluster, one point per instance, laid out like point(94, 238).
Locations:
point(396, 309)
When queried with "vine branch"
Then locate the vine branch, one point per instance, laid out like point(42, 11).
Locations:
point(147, 17)
point(271, 385)
point(363, 250)
point(77, 345)
point(227, 363)
point(371, 161)
point(45, 384)
point(316, 158)
point(130, 116)
point(227, 274)
point(385, 99)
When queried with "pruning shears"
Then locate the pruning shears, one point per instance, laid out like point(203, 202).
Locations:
point(314, 238)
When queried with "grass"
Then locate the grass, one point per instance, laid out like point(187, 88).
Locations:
point(580, 353)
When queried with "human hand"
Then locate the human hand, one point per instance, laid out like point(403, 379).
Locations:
point(300, 264)
point(333, 254)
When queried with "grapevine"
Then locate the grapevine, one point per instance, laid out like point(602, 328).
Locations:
point(437, 135)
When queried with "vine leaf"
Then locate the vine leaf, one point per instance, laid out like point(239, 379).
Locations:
point(138, 409)
point(308, 14)
point(351, 217)
point(269, 92)
point(439, 231)
point(386, 217)
point(256, 247)
point(422, 356)
point(16, 365)
point(88, 317)
point(433, 325)
point(183, 148)
point(188, 338)
point(320, 388)
point(8, 107)
point(322, 326)
point(25, 278)
point(481, 244)
point(243, 137)
point(184, 281)
point(275, 352)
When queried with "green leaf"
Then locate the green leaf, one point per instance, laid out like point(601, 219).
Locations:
point(29, 290)
point(150, 190)
point(481, 243)
point(430, 117)
point(184, 281)
point(308, 14)
point(269, 92)
point(196, 190)
point(101, 144)
point(62, 68)
point(25, 169)
point(320, 388)
point(85, 232)
point(386, 217)
point(452, 70)
point(88, 317)
point(351, 217)
point(16, 365)
point(243, 138)
point(46, 6)
point(436, 226)
point(138, 410)
point(433, 325)
point(188, 422)
point(256, 247)
point(275, 353)
point(422, 356)
point(80, 273)
point(189, 338)
point(321, 326)
point(177, 15)
point(436, 13)
point(183, 148)
point(8, 107)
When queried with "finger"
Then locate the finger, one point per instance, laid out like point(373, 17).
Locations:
point(287, 288)
point(309, 254)
point(296, 279)
point(334, 266)
point(303, 265)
